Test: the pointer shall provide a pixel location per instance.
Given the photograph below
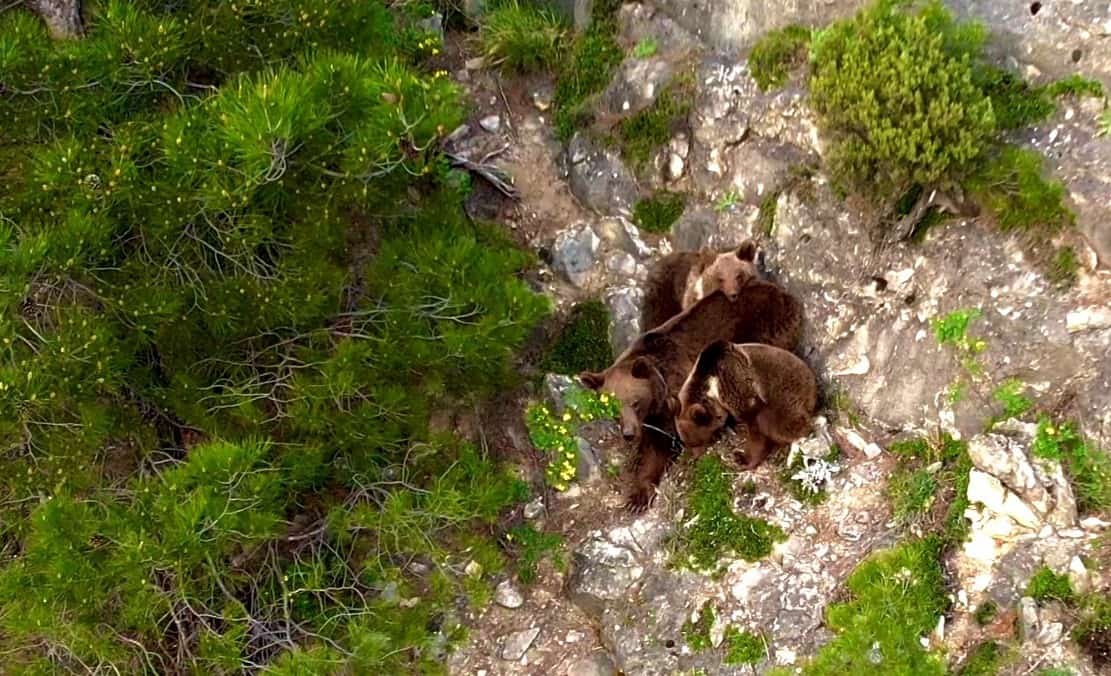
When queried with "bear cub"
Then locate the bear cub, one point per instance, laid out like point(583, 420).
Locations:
point(681, 279)
point(770, 390)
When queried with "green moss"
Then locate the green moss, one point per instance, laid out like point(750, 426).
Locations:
point(894, 597)
point(1009, 394)
point(896, 98)
point(1011, 185)
point(530, 547)
point(766, 219)
point(912, 494)
point(1064, 267)
point(697, 633)
point(713, 529)
point(642, 134)
point(583, 344)
point(1076, 85)
point(1088, 467)
point(776, 54)
point(660, 211)
point(984, 660)
point(742, 647)
point(521, 38)
point(1056, 671)
point(645, 48)
point(1046, 585)
point(985, 613)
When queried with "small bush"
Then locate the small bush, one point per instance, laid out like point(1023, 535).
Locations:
point(583, 344)
point(773, 57)
point(986, 612)
point(1088, 467)
point(1046, 585)
point(659, 212)
point(896, 97)
point(645, 48)
point(521, 38)
point(742, 647)
point(894, 597)
point(713, 529)
point(1009, 394)
point(1012, 187)
point(642, 134)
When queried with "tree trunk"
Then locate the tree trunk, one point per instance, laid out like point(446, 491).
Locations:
point(62, 17)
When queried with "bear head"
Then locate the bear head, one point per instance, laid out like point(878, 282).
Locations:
point(729, 271)
point(722, 386)
point(640, 387)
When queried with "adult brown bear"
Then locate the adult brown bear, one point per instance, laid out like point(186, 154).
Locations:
point(681, 279)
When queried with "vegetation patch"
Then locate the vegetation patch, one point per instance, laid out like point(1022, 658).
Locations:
point(583, 343)
point(1046, 585)
point(776, 54)
point(728, 201)
point(984, 660)
point(1093, 631)
point(523, 38)
point(1064, 267)
point(712, 529)
point(556, 434)
point(697, 632)
point(1012, 186)
point(642, 134)
point(531, 547)
point(985, 613)
point(929, 487)
point(587, 71)
point(742, 647)
point(765, 222)
point(1088, 467)
point(645, 48)
point(806, 478)
point(660, 211)
point(894, 597)
point(912, 494)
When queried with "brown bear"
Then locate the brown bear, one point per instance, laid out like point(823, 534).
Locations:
point(681, 279)
point(655, 366)
point(770, 390)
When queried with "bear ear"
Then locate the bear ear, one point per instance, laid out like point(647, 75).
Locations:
point(592, 380)
point(642, 368)
point(701, 416)
point(747, 250)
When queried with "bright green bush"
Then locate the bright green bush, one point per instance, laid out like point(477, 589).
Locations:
point(1046, 585)
point(235, 279)
point(522, 38)
point(1012, 187)
point(773, 57)
point(897, 99)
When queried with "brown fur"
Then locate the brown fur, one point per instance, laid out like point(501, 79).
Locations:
point(657, 364)
point(770, 390)
point(681, 279)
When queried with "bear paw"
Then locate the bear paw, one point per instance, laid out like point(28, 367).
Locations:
point(640, 499)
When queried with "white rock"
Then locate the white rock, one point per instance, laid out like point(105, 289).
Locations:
point(1028, 617)
point(990, 492)
point(515, 645)
point(1079, 577)
point(785, 656)
point(507, 596)
point(475, 63)
point(1051, 633)
point(473, 569)
point(675, 167)
point(491, 123)
point(534, 508)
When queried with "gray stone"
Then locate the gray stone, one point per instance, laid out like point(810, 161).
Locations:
point(1028, 617)
point(595, 664)
point(515, 645)
point(602, 573)
point(534, 508)
point(556, 387)
point(1005, 459)
point(621, 266)
point(707, 227)
point(636, 86)
point(433, 24)
point(625, 304)
point(618, 232)
point(507, 596)
point(599, 178)
point(491, 123)
point(575, 253)
point(590, 462)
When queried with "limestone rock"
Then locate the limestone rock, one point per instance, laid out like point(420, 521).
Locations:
point(575, 253)
point(515, 645)
point(507, 596)
point(625, 304)
point(599, 178)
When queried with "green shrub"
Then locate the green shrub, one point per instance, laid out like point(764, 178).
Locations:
point(660, 211)
point(532, 546)
point(1064, 267)
point(521, 38)
point(742, 647)
point(1009, 394)
point(896, 97)
point(1076, 85)
point(775, 54)
point(714, 529)
point(645, 48)
point(1012, 187)
point(1046, 585)
point(1088, 467)
point(583, 343)
point(1015, 102)
point(894, 597)
point(556, 435)
point(644, 133)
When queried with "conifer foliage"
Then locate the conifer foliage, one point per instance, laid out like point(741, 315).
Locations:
point(234, 280)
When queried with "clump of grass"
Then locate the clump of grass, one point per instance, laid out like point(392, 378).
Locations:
point(985, 613)
point(952, 329)
point(912, 494)
point(765, 221)
point(645, 48)
point(521, 38)
point(642, 134)
point(1093, 632)
point(1076, 85)
point(713, 530)
point(1046, 585)
point(1009, 394)
point(984, 660)
point(660, 211)
point(894, 597)
point(1056, 671)
point(1011, 185)
point(776, 54)
point(594, 55)
point(1014, 101)
point(1087, 466)
point(583, 344)
point(728, 201)
point(531, 547)
point(742, 647)
point(697, 633)
point(1064, 267)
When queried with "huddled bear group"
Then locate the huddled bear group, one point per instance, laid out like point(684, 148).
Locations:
point(719, 353)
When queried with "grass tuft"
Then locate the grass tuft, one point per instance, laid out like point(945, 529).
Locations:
point(1088, 467)
point(742, 647)
point(697, 633)
point(1046, 585)
point(1064, 267)
point(1009, 394)
point(984, 660)
point(645, 48)
point(594, 56)
point(583, 344)
point(985, 613)
point(642, 134)
point(660, 211)
point(521, 38)
point(912, 494)
point(1012, 186)
point(776, 54)
point(531, 547)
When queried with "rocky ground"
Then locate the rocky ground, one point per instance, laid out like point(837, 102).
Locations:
point(615, 604)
